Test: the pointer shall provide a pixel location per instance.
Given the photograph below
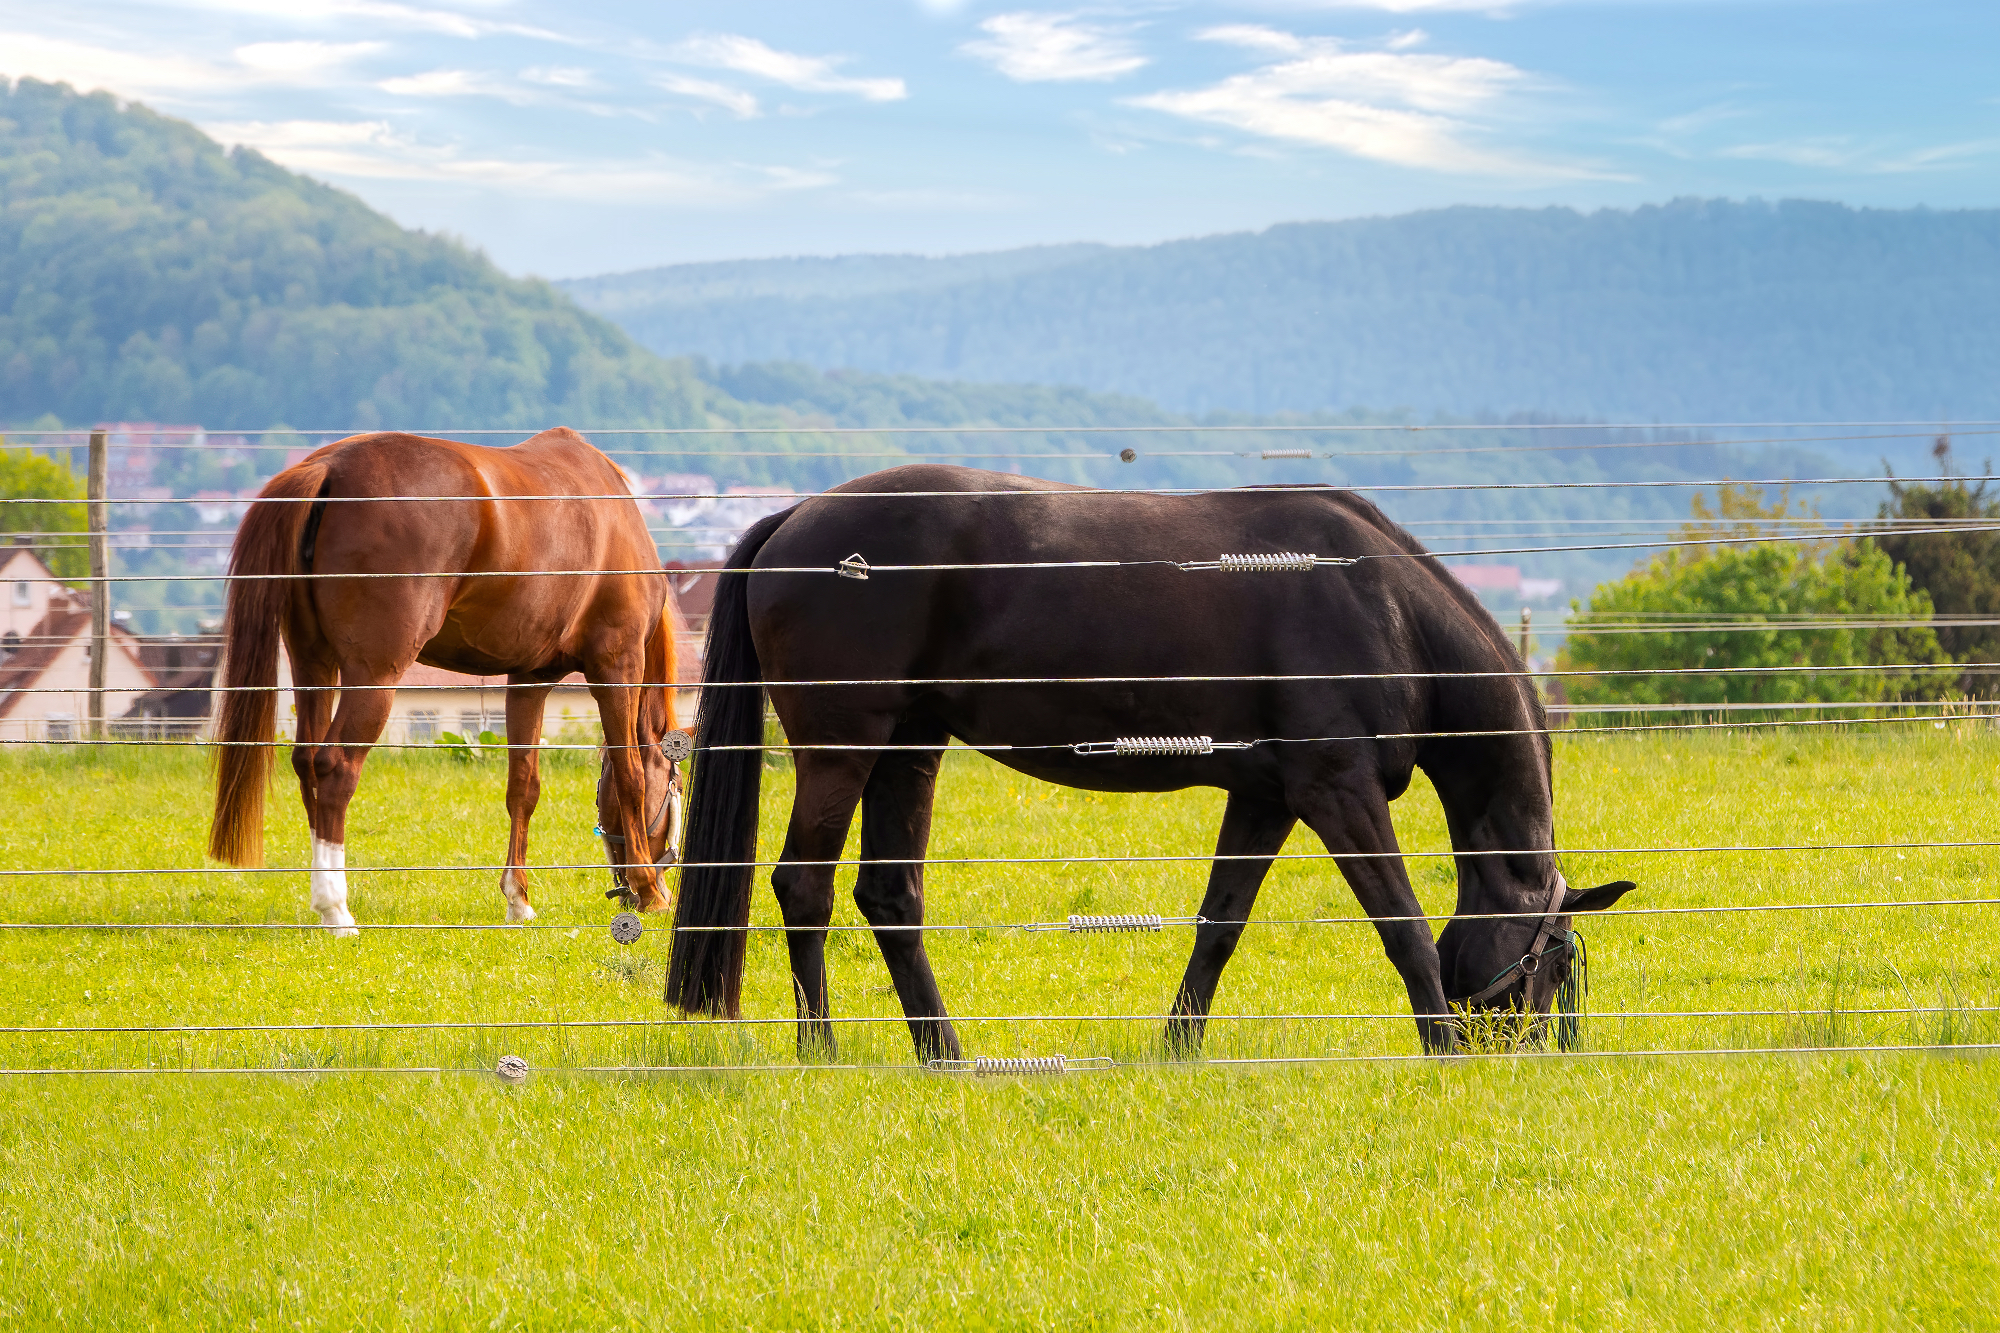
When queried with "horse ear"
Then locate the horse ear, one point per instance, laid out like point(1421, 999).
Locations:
point(1597, 899)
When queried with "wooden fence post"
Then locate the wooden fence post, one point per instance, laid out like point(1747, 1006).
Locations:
point(100, 584)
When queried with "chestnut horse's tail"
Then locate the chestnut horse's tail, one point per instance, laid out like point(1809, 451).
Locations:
point(267, 545)
point(705, 968)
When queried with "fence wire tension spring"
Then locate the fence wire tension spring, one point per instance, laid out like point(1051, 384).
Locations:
point(1018, 1064)
point(1183, 746)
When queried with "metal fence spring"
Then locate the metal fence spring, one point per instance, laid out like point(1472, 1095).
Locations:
point(1001, 1064)
point(1164, 745)
point(1284, 562)
point(1127, 921)
point(1287, 453)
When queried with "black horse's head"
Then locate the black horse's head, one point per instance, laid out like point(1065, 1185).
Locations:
point(1522, 957)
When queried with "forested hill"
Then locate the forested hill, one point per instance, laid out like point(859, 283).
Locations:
point(148, 274)
point(1692, 310)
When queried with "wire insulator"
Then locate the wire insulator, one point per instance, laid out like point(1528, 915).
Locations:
point(512, 1069)
point(854, 567)
point(626, 927)
point(1284, 562)
point(1130, 921)
point(1286, 453)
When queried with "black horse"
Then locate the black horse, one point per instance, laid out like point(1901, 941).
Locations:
point(1437, 685)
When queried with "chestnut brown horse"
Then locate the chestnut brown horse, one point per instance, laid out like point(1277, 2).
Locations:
point(346, 559)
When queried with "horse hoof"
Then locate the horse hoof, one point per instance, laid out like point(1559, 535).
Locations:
point(658, 902)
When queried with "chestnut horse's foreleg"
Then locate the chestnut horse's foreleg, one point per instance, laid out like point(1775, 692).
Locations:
point(336, 769)
point(1251, 828)
point(827, 788)
point(1351, 815)
point(896, 828)
point(526, 702)
point(617, 695)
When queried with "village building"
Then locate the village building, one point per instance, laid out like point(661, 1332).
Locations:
point(45, 655)
point(162, 688)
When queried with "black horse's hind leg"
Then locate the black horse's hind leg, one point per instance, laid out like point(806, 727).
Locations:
point(896, 826)
point(1354, 824)
point(1250, 828)
point(829, 783)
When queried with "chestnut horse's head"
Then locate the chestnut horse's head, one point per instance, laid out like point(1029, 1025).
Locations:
point(663, 811)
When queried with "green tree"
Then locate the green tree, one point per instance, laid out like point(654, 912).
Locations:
point(27, 475)
point(1960, 570)
point(1763, 604)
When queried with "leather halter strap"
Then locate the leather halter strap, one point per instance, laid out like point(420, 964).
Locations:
point(1530, 963)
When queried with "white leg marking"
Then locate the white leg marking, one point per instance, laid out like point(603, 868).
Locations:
point(518, 907)
point(329, 887)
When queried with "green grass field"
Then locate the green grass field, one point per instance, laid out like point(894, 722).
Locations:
point(1831, 1189)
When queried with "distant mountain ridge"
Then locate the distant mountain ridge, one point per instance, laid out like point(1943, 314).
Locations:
point(151, 274)
point(1697, 309)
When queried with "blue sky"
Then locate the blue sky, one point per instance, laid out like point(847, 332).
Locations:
point(569, 139)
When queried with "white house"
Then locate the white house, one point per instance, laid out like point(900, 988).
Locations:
point(45, 655)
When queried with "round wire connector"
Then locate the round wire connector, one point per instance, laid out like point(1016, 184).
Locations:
point(626, 927)
point(677, 745)
point(1283, 562)
point(1085, 925)
point(512, 1070)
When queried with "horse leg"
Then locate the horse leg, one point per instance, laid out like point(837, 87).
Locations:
point(1250, 828)
point(312, 679)
point(1353, 821)
point(524, 788)
point(336, 766)
point(615, 687)
point(829, 784)
point(896, 827)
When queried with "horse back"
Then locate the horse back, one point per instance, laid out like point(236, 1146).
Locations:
point(553, 509)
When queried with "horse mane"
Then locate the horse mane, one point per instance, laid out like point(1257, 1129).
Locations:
point(1495, 637)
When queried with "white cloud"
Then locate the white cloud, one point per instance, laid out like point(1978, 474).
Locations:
point(171, 77)
point(735, 100)
point(1050, 48)
point(1849, 154)
point(446, 83)
point(126, 73)
point(376, 150)
point(806, 74)
point(561, 77)
point(476, 83)
point(297, 58)
point(1411, 6)
point(1414, 110)
point(314, 13)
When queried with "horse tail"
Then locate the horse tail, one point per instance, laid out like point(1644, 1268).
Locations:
point(705, 967)
point(267, 545)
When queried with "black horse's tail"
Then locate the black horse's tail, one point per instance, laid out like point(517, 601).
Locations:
point(705, 968)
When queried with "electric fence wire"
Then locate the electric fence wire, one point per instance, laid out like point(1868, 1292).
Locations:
point(1098, 1064)
point(1045, 492)
point(1817, 535)
point(559, 1024)
point(1091, 748)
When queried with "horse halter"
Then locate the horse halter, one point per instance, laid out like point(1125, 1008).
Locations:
point(1549, 942)
point(614, 843)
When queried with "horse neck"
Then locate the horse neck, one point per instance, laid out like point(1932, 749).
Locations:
point(1495, 785)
